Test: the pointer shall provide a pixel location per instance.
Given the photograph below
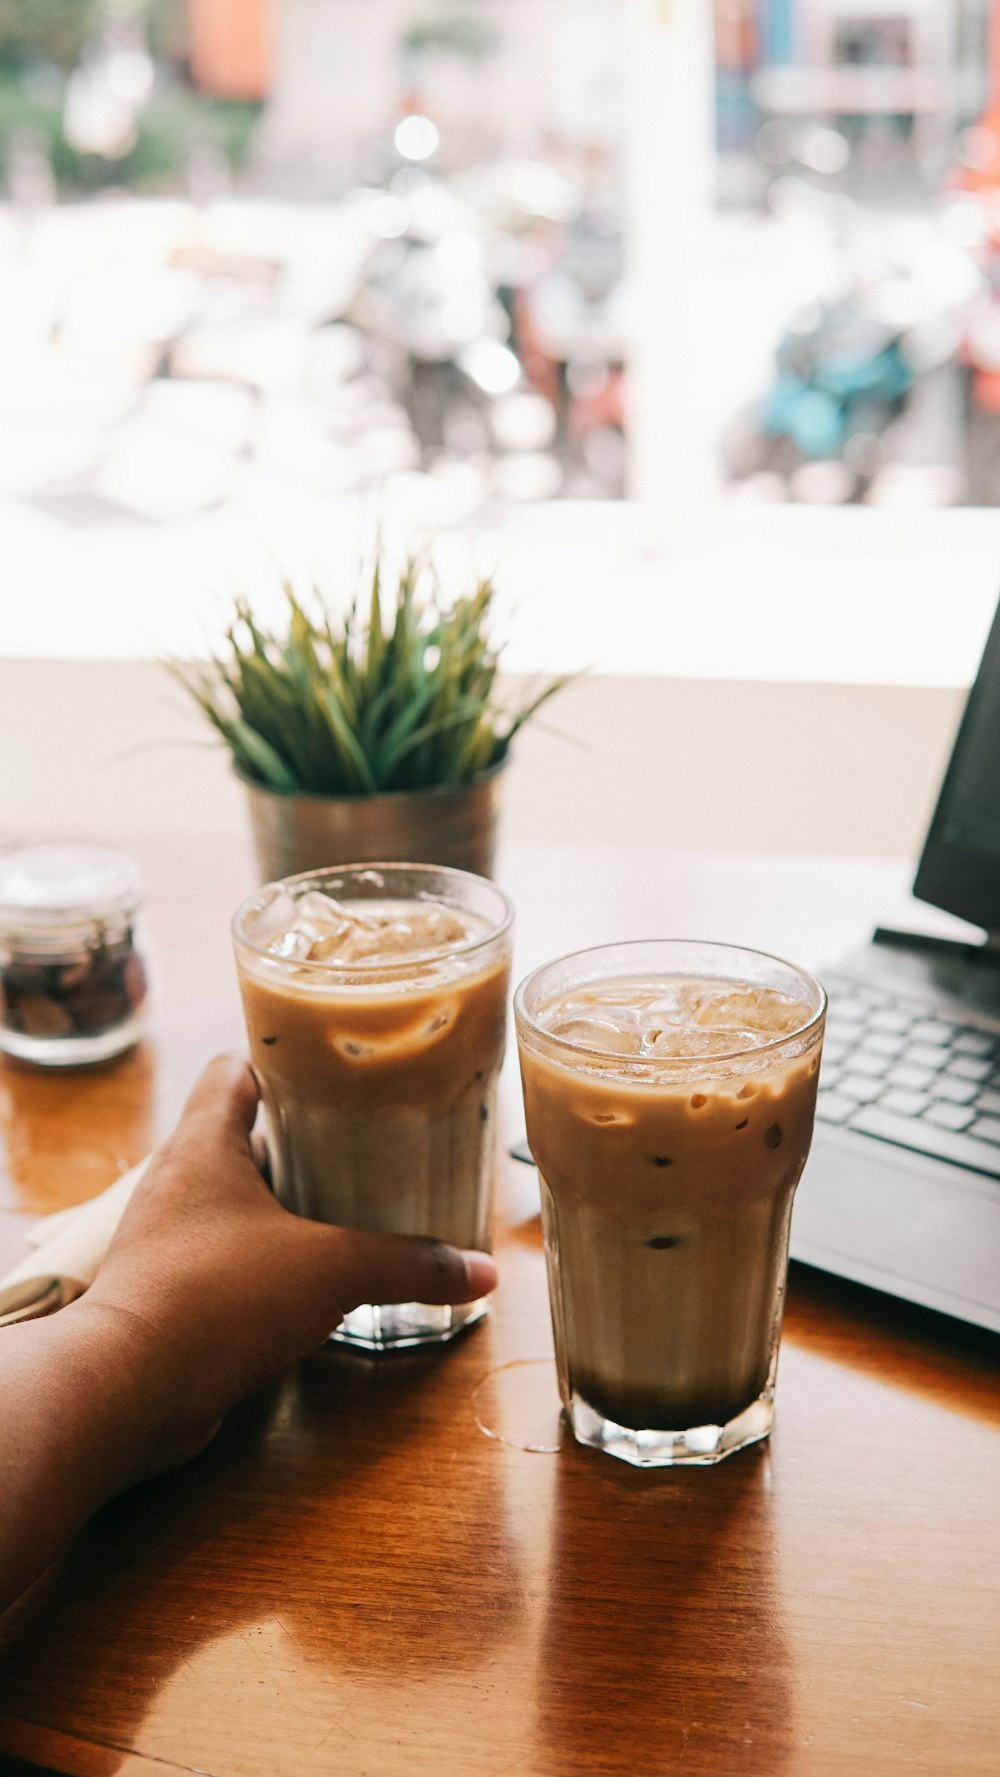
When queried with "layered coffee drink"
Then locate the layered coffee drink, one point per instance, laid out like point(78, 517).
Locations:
point(375, 1002)
point(669, 1113)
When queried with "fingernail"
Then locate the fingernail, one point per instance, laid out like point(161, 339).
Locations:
point(481, 1274)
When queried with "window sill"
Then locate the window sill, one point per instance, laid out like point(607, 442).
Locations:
point(768, 594)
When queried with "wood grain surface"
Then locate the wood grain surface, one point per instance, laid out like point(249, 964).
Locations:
point(355, 1579)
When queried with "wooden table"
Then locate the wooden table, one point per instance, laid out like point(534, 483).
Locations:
point(356, 1580)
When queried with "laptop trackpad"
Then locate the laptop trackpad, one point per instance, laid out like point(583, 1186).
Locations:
point(900, 1222)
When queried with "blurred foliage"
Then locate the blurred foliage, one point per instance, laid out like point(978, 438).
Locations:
point(52, 31)
point(174, 121)
point(166, 23)
point(55, 31)
point(42, 40)
point(471, 37)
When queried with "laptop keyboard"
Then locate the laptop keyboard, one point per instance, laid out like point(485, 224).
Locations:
point(907, 1076)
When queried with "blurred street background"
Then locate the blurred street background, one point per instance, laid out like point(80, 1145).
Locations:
point(261, 253)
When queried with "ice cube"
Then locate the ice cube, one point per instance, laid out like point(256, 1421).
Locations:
point(318, 928)
point(441, 1018)
point(436, 927)
point(676, 1043)
point(401, 930)
point(671, 1002)
point(309, 928)
point(292, 945)
point(323, 911)
point(273, 915)
point(762, 1011)
point(329, 948)
point(611, 1032)
point(400, 937)
point(353, 1049)
point(625, 994)
point(365, 943)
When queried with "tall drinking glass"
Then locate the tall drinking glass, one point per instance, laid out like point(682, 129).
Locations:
point(375, 1003)
point(669, 1091)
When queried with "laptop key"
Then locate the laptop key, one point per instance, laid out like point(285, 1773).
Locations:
point(955, 1145)
point(989, 1104)
point(864, 1062)
point(974, 1042)
point(912, 1079)
point(907, 1104)
point(949, 1116)
point(968, 1067)
point(883, 1042)
point(957, 1091)
point(832, 1107)
point(987, 1129)
point(890, 1018)
point(932, 1030)
point(859, 1087)
point(850, 1011)
point(927, 1055)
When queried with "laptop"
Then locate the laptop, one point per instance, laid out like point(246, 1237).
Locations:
point(902, 1187)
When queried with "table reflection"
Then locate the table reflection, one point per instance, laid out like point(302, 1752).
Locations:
point(67, 1133)
point(330, 1617)
point(664, 1642)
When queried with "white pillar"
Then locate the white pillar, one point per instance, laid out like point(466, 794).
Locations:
point(670, 162)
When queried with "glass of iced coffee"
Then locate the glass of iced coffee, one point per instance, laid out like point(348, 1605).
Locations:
point(375, 1002)
point(669, 1091)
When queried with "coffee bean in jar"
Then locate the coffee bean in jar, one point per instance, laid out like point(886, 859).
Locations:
point(72, 974)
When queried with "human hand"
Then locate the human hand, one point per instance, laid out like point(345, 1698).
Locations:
point(208, 1290)
point(221, 1289)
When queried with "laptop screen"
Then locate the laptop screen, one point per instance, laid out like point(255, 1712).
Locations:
point(960, 866)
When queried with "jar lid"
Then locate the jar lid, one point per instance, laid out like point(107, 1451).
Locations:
point(47, 886)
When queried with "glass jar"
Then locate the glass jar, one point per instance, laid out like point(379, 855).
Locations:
point(72, 974)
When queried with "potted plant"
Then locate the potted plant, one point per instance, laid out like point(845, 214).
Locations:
point(376, 735)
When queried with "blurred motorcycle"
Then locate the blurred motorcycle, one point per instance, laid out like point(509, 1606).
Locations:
point(842, 375)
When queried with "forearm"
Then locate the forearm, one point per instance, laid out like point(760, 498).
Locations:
point(79, 1422)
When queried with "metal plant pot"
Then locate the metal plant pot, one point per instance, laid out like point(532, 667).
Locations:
point(453, 825)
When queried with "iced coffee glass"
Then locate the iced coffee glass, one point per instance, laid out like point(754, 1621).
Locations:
point(375, 1000)
point(669, 1091)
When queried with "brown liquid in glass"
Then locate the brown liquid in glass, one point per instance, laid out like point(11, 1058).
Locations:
point(666, 1203)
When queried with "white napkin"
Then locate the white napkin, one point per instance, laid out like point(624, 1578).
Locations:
point(69, 1247)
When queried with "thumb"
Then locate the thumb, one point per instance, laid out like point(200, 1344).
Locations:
point(405, 1268)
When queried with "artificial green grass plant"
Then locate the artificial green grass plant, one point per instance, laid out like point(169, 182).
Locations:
point(399, 694)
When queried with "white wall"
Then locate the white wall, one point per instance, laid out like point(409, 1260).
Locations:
point(104, 747)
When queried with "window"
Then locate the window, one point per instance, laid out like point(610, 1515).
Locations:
point(470, 263)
